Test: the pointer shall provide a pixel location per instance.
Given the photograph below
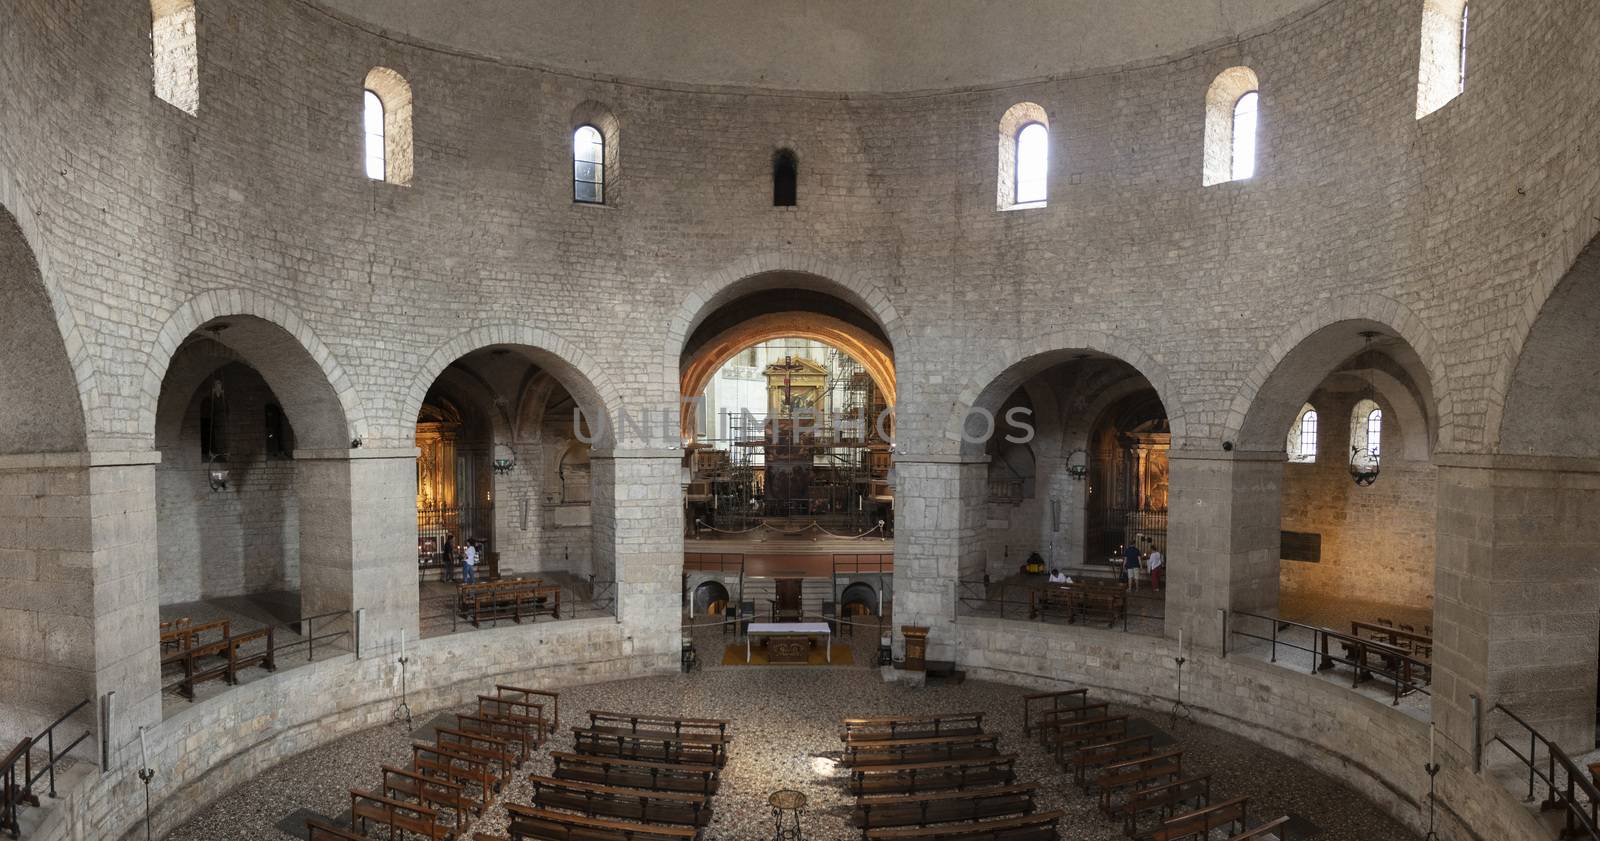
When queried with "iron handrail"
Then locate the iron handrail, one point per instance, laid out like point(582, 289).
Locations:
point(12, 796)
point(1401, 676)
point(48, 737)
point(309, 639)
point(981, 586)
point(1579, 818)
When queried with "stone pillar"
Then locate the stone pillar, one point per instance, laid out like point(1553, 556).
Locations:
point(938, 541)
point(638, 533)
point(358, 529)
point(1061, 536)
point(1222, 539)
point(127, 592)
point(1517, 595)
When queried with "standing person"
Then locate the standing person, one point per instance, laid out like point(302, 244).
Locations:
point(1130, 565)
point(1156, 564)
point(449, 557)
point(469, 564)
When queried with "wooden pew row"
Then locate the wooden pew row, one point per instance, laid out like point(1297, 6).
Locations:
point(687, 749)
point(886, 811)
point(463, 769)
point(189, 653)
point(612, 722)
point(398, 815)
point(1074, 697)
point(434, 792)
point(1066, 739)
point(931, 749)
point(1197, 825)
point(538, 698)
point(322, 831)
point(1053, 720)
point(911, 727)
point(593, 800)
point(1040, 826)
point(530, 823)
point(922, 777)
point(1089, 759)
point(521, 736)
point(501, 754)
point(630, 773)
point(1138, 773)
point(1273, 830)
point(513, 598)
point(1163, 801)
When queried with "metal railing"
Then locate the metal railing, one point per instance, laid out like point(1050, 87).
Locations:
point(1407, 674)
point(13, 794)
point(307, 631)
point(1141, 612)
point(1575, 795)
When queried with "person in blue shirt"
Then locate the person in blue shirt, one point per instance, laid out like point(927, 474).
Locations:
point(1130, 564)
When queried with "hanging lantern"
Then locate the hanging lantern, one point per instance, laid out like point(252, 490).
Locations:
point(1078, 464)
point(505, 459)
point(1364, 458)
point(217, 464)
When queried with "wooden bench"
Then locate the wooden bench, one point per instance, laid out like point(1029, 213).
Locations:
point(1054, 720)
point(179, 638)
point(687, 748)
point(930, 749)
point(1072, 735)
point(880, 811)
point(1090, 758)
point(463, 769)
point(532, 698)
point(323, 831)
point(602, 801)
point(522, 736)
point(659, 725)
point(265, 658)
point(171, 633)
point(1078, 697)
point(632, 773)
point(911, 727)
point(515, 711)
point(512, 598)
point(1197, 825)
point(406, 784)
point(531, 822)
point(501, 754)
point(397, 815)
point(1040, 826)
point(1142, 772)
point(1164, 800)
point(920, 777)
point(1276, 829)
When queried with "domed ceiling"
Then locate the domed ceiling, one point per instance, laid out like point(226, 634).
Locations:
point(821, 45)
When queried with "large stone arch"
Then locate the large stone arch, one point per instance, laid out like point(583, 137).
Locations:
point(1306, 353)
point(48, 378)
point(775, 271)
point(578, 372)
point(319, 397)
point(1013, 363)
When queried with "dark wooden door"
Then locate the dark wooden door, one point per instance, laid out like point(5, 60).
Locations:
point(787, 604)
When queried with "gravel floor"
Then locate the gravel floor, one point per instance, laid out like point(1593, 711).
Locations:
point(785, 721)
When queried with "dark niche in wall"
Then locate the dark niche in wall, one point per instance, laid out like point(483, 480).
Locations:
point(1300, 546)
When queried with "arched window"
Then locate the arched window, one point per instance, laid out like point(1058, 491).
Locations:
point(386, 126)
point(1024, 175)
point(175, 53)
point(1033, 164)
point(1302, 444)
point(1232, 120)
point(1366, 431)
point(1244, 137)
point(588, 165)
point(1442, 71)
point(372, 124)
point(785, 177)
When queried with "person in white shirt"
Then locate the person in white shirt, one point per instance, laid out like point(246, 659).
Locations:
point(469, 564)
point(1057, 577)
point(1157, 566)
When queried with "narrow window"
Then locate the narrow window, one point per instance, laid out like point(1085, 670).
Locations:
point(1442, 67)
point(785, 175)
point(1244, 137)
point(372, 122)
point(1302, 444)
point(175, 53)
point(588, 165)
point(1374, 432)
point(1033, 163)
point(1461, 80)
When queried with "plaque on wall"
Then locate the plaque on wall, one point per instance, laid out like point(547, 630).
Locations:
point(1300, 546)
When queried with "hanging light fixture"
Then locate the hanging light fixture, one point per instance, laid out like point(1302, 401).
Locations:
point(1364, 458)
point(505, 463)
point(217, 464)
point(1078, 464)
